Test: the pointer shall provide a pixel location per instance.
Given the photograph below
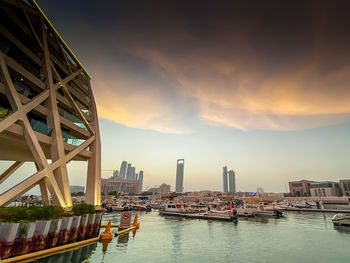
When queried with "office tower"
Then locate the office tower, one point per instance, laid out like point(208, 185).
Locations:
point(232, 181)
point(137, 177)
point(133, 175)
point(179, 175)
point(224, 175)
point(128, 172)
point(48, 114)
point(123, 168)
point(141, 180)
point(115, 173)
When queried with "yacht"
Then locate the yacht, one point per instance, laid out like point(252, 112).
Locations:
point(341, 220)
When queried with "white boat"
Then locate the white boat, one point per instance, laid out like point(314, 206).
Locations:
point(341, 220)
point(258, 210)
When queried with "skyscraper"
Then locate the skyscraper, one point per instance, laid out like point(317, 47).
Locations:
point(224, 175)
point(133, 175)
point(122, 172)
point(128, 172)
point(115, 173)
point(232, 181)
point(179, 175)
point(141, 180)
point(137, 177)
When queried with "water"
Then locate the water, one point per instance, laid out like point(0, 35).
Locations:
point(300, 237)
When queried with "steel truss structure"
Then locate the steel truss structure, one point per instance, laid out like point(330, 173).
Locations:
point(47, 109)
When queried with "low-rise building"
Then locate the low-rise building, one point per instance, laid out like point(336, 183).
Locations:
point(164, 189)
point(325, 189)
point(345, 187)
point(300, 188)
point(119, 184)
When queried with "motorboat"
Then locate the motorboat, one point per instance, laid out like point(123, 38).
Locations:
point(249, 210)
point(341, 220)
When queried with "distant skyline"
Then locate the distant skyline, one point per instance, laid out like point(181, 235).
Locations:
point(262, 87)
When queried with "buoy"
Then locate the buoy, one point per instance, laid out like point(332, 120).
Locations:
point(137, 225)
point(107, 234)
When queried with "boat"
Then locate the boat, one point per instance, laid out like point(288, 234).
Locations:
point(250, 210)
point(341, 220)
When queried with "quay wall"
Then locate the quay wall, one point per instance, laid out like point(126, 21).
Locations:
point(21, 238)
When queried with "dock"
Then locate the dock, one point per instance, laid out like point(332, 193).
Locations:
point(295, 209)
point(198, 216)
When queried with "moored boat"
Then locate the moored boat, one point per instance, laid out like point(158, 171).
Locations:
point(341, 220)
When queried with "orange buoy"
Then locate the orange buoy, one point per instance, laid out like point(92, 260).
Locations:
point(107, 234)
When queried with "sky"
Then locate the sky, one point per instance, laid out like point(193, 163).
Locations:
point(260, 86)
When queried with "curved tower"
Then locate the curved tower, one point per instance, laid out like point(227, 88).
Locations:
point(47, 109)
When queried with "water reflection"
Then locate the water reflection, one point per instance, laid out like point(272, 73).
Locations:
point(73, 256)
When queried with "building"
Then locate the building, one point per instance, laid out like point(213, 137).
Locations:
point(325, 189)
point(77, 189)
point(118, 184)
point(345, 187)
point(179, 175)
point(141, 180)
point(132, 173)
point(164, 189)
point(128, 172)
point(225, 184)
point(300, 188)
point(123, 168)
point(48, 113)
point(115, 173)
point(232, 181)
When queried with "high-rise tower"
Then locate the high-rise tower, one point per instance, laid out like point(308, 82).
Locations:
point(122, 172)
point(224, 175)
point(232, 181)
point(141, 180)
point(128, 172)
point(133, 174)
point(179, 175)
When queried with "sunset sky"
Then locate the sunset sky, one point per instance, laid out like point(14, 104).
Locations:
point(260, 86)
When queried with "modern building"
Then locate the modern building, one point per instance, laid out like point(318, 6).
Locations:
point(123, 167)
point(325, 189)
point(164, 189)
point(48, 113)
point(232, 181)
point(224, 175)
point(141, 180)
point(345, 187)
point(119, 185)
point(115, 173)
point(128, 172)
point(179, 175)
point(133, 173)
point(300, 188)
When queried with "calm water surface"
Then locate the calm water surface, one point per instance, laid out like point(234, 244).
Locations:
point(300, 237)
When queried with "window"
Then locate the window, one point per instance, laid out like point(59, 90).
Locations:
point(316, 194)
point(323, 192)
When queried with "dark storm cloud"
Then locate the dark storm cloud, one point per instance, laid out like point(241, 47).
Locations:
point(168, 65)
